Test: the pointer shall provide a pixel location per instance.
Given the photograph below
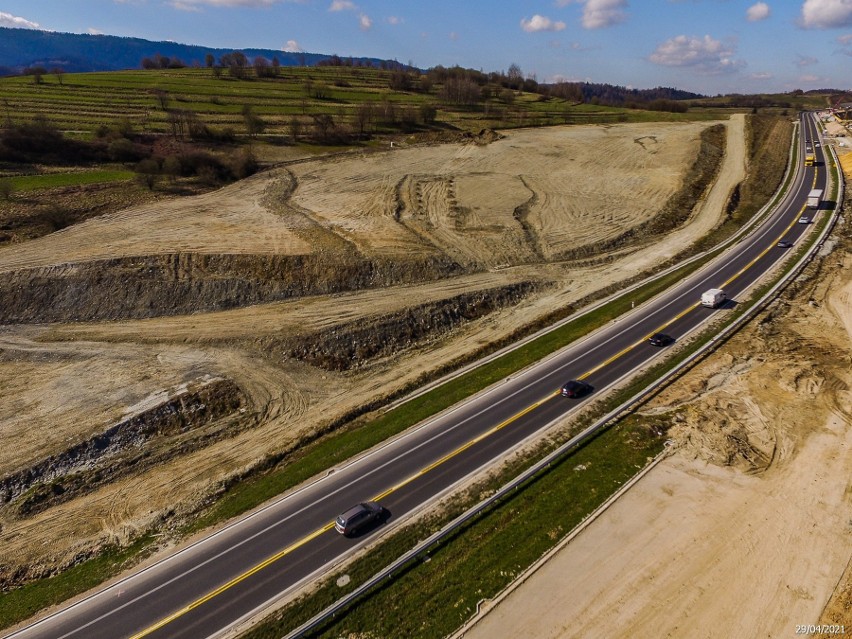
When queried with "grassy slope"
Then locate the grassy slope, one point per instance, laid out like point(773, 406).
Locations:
point(105, 98)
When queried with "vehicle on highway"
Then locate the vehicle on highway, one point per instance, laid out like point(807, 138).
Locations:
point(576, 388)
point(784, 244)
point(804, 220)
point(711, 298)
point(660, 339)
point(814, 198)
point(358, 517)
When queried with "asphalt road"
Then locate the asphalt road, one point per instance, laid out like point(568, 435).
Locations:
point(207, 587)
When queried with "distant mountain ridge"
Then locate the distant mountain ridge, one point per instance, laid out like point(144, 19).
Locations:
point(76, 52)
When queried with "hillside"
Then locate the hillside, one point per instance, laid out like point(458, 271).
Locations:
point(417, 255)
point(76, 52)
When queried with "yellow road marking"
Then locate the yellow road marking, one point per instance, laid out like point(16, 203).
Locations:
point(289, 549)
point(266, 562)
point(298, 544)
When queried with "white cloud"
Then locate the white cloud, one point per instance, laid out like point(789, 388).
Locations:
point(598, 14)
point(845, 40)
point(180, 5)
point(93, 31)
point(292, 47)
point(757, 12)
point(8, 20)
point(761, 75)
point(826, 14)
point(540, 23)
point(342, 5)
point(453, 36)
point(805, 61)
point(187, 4)
point(394, 20)
point(706, 55)
point(364, 22)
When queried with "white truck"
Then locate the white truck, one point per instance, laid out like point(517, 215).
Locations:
point(814, 198)
point(713, 297)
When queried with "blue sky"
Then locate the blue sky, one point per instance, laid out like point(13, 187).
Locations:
point(707, 46)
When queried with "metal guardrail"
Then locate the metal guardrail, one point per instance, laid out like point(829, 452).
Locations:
point(577, 440)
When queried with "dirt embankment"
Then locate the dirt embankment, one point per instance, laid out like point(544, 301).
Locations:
point(355, 344)
point(69, 381)
point(151, 286)
point(174, 423)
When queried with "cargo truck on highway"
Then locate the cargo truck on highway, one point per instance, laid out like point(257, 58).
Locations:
point(814, 198)
point(810, 159)
point(713, 297)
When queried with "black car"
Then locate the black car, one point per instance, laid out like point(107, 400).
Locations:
point(358, 517)
point(576, 388)
point(660, 339)
point(784, 244)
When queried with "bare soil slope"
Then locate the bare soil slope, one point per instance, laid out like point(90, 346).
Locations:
point(70, 381)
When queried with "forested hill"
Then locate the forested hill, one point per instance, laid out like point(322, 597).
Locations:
point(73, 52)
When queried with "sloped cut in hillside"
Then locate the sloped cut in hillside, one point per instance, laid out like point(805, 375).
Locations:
point(362, 221)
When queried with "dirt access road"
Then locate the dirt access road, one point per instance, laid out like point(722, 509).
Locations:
point(746, 529)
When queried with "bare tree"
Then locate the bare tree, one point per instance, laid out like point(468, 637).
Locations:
point(58, 72)
point(148, 173)
point(237, 64)
point(276, 66)
point(171, 167)
point(364, 116)
point(38, 73)
point(209, 60)
point(428, 113)
point(515, 76)
point(295, 126)
point(162, 97)
point(6, 189)
point(321, 91)
point(323, 125)
point(254, 124)
point(261, 67)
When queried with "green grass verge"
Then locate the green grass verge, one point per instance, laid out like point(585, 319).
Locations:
point(53, 180)
point(335, 449)
point(431, 599)
point(22, 603)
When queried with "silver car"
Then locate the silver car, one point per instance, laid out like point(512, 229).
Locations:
point(358, 517)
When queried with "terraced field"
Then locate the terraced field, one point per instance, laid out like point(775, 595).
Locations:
point(84, 101)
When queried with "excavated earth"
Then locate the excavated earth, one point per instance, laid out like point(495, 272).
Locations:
point(149, 356)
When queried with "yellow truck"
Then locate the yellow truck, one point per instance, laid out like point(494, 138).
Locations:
point(809, 159)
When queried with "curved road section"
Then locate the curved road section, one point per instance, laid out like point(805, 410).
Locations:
point(213, 584)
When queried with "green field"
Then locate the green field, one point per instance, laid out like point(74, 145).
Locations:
point(23, 183)
point(85, 101)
